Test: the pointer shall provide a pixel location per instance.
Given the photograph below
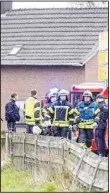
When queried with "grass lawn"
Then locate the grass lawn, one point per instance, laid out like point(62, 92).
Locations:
point(22, 181)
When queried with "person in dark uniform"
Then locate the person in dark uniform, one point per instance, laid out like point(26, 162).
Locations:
point(47, 129)
point(12, 113)
point(102, 124)
point(61, 112)
point(52, 97)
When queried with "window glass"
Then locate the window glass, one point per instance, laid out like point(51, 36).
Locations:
point(76, 98)
point(94, 94)
point(20, 105)
point(15, 50)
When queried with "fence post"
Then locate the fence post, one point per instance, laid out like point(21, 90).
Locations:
point(76, 170)
point(95, 172)
point(11, 146)
point(36, 140)
point(24, 136)
point(63, 159)
point(7, 145)
point(49, 150)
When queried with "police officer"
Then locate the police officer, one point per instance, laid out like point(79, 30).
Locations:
point(86, 119)
point(12, 112)
point(100, 130)
point(62, 114)
point(32, 112)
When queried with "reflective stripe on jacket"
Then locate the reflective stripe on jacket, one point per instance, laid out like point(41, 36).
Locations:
point(62, 114)
point(45, 109)
point(87, 114)
point(32, 111)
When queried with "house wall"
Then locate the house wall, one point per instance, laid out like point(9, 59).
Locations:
point(91, 69)
point(22, 79)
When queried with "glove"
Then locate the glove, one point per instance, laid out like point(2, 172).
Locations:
point(94, 125)
point(74, 127)
point(47, 123)
point(77, 120)
point(36, 130)
point(70, 127)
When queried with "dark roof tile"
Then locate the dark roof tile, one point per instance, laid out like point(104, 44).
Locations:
point(51, 36)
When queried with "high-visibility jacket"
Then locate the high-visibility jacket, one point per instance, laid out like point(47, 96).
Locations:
point(45, 109)
point(32, 111)
point(62, 114)
point(86, 114)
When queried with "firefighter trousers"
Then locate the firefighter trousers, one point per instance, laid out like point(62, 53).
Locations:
point(85, 136)
point(62, 131)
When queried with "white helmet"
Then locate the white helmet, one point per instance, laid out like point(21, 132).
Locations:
point(51, 94)
point(36, 130)
point(87, 93)
point(54, 90)
point(63, 92)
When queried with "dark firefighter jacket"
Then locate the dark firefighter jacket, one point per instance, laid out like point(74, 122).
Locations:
point(12, 111)
point(86, 114)
point(62, 113)
point(104, 110)
point(103, 115)
point(44, 113)
point(32, 111)
point(45, 109)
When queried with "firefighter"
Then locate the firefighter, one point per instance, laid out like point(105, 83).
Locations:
point(32, 112)
point(87, 116)
point(62, 113)
point(102, 124)
point(52, 97)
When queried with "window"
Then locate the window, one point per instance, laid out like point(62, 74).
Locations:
point(15, 50)
point(20, 104)
point(77, 98)
point(94, 94)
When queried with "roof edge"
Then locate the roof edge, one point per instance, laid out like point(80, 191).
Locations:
point(74, 64)
point(94, 50)
point(22, 9)
point(90, 55)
